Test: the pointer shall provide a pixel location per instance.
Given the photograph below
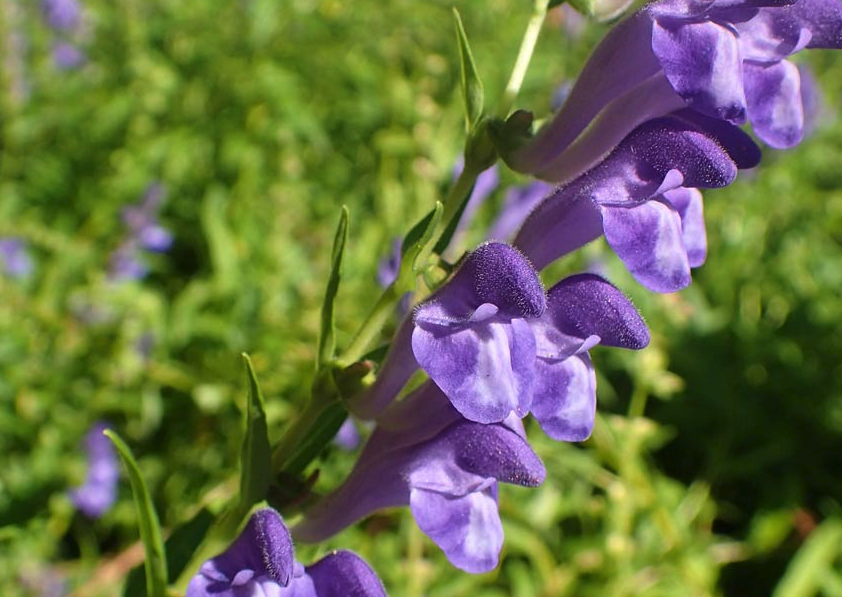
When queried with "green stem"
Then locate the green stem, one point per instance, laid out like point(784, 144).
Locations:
point(299, 429)
point(524, 56)
point(369, 330)
point(637, 404)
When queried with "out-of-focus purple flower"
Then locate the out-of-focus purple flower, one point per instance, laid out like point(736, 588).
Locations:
point(99, 491)
point(144, 233)
point(724, 58)
point(519, 202)
point(487, 181)
point(62, 15)
point(126, 263)
point(66, 56)
point(14, 254)
point(633, 197)
point(390, 266)
point(811, 96)
point(445, 468)
point(347, 438)
point(142, 220)
point(261, 561)
point(473, 338)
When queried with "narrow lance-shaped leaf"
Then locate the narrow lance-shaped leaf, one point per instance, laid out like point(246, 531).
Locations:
point(256, 453)
point(472, 90)
point(150, 528)
point(416, 248)
point(327, 337)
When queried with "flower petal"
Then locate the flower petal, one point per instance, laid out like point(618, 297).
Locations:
point(648, 239)
point(586, 304)
point(343, 574)
point(688, 203)
point(485, 370)
point(774, 102)
point(467, 529)
point(702, 62)
point(565, 398)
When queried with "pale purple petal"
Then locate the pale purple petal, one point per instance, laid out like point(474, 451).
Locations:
point(688, 203)
point(770, 36)
point(702, 62)
point(824, 20)
point(565, 398)
point(485, 370)
point(774, 102)
point(467, 529)
point(347, 438)
point(648, 239)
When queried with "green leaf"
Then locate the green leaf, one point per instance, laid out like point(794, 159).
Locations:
point(324, 429)
point(256, 453)
point(417, 247)
point(179, 547)
point(327, 334)
point(150, 528)
point(805, 572)
point(220, 239)
point(472, 90)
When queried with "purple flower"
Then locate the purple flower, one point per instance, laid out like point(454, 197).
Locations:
point(126, 263)
point(347, 438)
point(724, 58)
point(66, 56)
point(634, 197)
point(142, 220)
point(261, 561)
point(519, 202)
point(15, 258)
point(582, 311)
point(472, 338)
point(99, 491)
point(487, 181)
point(62, 15)
point(497, 347)
point(445, 468)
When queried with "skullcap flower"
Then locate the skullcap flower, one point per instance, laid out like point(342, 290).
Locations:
point(99, 491)
point(261, 562)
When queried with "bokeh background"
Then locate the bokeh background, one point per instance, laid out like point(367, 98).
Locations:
point(239, 128)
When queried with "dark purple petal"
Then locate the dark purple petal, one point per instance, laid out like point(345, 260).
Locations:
point(774, 102)
point(260, 559)
point(739, 146)
point(585, 304)
point(702, 62)
point(99, 491)
point(565, 398)
point(688, 203)
point(648, 240)
point(344, 574)
point(496, 452)
point(495, 274)
point(824, 20)
point(467, 528)
point(485, 370)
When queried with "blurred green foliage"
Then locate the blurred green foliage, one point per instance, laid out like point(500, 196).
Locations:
point(261, 118)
